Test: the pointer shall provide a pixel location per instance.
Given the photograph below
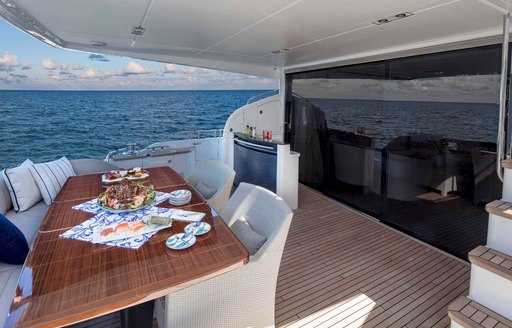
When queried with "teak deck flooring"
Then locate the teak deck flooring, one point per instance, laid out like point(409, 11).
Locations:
point(342, 269)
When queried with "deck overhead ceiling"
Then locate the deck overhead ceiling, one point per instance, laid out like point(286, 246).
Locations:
point(242, 36)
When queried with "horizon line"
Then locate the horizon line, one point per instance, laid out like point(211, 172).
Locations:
point(136, 90)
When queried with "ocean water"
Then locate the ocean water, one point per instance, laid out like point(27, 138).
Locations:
point(45, 125)
point(386, 120)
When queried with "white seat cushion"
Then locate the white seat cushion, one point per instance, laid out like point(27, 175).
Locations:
point(206, 191)
point(251, 239)
point(51, 176)
point(8, 282)
point(22, 186)
point(29, 221)
point(5, 197)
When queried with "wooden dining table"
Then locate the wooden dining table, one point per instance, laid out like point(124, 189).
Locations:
point(65, 281)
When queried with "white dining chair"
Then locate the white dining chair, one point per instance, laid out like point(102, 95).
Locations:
point(213, 180)
point(243, 297)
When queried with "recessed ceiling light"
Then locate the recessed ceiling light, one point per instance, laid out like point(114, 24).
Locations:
point(392, 18)
point(97, 43)
point(280, 51)
point(138, 30)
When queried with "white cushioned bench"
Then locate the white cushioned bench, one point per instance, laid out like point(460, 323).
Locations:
point(29, 222)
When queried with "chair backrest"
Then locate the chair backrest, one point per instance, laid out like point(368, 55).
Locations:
point(267, 214)
point(235, 202)
point(244, 297)
point(214, 174)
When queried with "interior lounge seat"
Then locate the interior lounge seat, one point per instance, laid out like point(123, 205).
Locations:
point(487, 186)
point(213, 180)
point(243, 297)
point(353, 157)
point(28, 222)
point(413, 164)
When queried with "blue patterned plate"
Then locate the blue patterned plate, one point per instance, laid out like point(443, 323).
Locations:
point(180, 241)
point(198, 228)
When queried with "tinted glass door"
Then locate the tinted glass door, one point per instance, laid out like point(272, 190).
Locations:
point(411, 141)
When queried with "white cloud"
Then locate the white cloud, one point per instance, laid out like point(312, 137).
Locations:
point(91, 74)
point(49, 64)
point(172, 68)
point(8, 62)
point(133, 68)
point(52, 65)
point(14, 78)
point(169, 68)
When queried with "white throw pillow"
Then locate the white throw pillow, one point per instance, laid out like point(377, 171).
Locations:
point(5, 197)
point(204, 190)
point(251, 239)
point(22, 186)
point(51, 176)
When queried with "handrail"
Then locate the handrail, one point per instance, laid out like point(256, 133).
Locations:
point(192, 135)
point(503, 98)
point(260, 95)
point(196, 134)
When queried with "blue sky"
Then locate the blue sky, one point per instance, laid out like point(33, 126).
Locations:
point(29, 64)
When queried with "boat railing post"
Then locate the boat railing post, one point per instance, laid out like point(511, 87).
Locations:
point(503, 98)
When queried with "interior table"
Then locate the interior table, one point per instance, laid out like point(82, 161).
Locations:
point(65, 281)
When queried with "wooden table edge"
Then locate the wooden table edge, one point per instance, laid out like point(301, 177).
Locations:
point(128, 302)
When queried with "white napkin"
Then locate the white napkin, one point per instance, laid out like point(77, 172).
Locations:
point(182, 215)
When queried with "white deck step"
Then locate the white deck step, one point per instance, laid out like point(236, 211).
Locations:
point(500, 226)
point(467, 313)
point(491, 280)
point(507, 180)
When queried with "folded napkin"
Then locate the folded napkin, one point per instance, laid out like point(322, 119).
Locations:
point(182, 215)
point(92, 206)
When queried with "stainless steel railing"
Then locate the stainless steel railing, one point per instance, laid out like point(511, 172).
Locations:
point(500, 143)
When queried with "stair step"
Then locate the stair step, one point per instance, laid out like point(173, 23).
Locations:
point(468, 313)
point(492, 260)
point(491, 280)
point(500, 226)
point(501, 208)
point(507, 163)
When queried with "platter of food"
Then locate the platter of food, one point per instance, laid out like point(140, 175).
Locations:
point(131, 174)
point(122, 230)
point(126, 196)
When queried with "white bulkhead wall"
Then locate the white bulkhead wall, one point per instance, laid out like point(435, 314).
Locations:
point(264, 114)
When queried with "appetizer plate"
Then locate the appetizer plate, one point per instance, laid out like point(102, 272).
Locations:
point(148, 203)
point(180, 241)
point(122, 230)
point(124, 175)
point(198, 228)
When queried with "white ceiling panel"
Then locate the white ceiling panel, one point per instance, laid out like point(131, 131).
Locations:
point(82, 21)
point(201, 24)
point(456, 19)
point(311, 20)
